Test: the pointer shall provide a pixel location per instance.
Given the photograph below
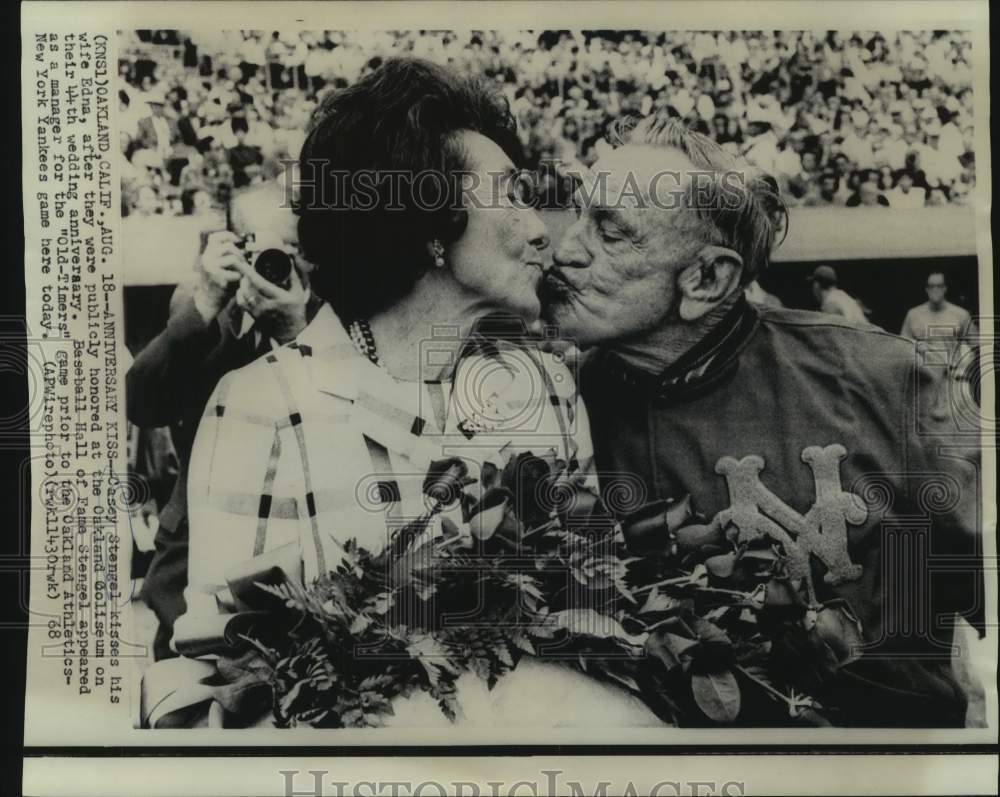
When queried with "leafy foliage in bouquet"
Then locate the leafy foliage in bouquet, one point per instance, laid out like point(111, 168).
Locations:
point(704, 628)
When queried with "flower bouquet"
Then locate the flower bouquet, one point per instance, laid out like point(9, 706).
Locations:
point(704, 628)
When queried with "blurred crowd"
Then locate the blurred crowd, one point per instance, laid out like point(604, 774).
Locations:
point(844, 119)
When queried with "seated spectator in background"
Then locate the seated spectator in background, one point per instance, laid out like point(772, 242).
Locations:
point(803, 184)
point(868, 195)
point(827, 192)
point(244, 159)
point(128, 115)
point(869, 101)
point(147, 202)
point(189, 127)
point(884, 178)
point(761, 145)
point(196, 202)
point(810, 164)
point(895, 147)
point(834, 300)
point(905, 195)
point(936, 197)
point(157, 132)
point(912, 165)
point(940, 163)
point(856, 144)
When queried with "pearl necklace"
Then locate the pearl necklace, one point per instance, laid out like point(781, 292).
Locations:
point(364, 341)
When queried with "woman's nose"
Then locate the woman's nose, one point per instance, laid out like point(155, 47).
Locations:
point(540, 241)
point(538, 234)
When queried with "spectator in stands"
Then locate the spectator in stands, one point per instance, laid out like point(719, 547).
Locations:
point(868, 195)
point(936, 197)
point(196, 202)
point(157, 132)
point(147, 202)
point(902, 101)
point(828, 192)
point(244, 159)
point(904, 194)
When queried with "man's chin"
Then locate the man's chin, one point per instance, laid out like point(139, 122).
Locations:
point(562, 321)
point(553, 307)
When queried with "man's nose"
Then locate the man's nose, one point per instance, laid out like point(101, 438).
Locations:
point(570, 253)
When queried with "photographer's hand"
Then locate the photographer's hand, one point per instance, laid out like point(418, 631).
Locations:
point(280, 312)
point(220, 269)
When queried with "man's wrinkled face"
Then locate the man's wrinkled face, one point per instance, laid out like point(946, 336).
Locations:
point(616, 268)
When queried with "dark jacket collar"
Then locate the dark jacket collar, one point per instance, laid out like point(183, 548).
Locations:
point(713, 358)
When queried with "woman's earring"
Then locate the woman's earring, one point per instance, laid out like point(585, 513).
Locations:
point(438, 249)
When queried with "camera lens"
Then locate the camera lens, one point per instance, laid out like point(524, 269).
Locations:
point(274, 265)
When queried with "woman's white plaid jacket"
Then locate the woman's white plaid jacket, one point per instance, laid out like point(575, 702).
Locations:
point(313, 444)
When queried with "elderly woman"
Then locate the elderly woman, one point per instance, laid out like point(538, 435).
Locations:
point(413, 210)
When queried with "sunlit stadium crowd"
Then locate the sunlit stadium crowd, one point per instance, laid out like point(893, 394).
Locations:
point(840, 119)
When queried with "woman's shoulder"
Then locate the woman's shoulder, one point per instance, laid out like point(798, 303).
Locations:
point(261, 387)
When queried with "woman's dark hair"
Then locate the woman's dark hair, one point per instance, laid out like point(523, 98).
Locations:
point(368, 239)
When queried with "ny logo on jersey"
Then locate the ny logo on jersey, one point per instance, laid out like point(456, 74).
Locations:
point(757, 513)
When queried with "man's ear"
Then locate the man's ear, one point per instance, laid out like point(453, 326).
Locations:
point(711, 279)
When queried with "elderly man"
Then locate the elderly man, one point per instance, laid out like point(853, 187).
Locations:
point(781, 423)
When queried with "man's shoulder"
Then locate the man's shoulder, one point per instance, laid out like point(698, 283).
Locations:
point(861, 358)
point(833, 332)
point(957, 310)
point(792, 320)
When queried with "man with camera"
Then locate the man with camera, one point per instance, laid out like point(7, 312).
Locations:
point(246, 297)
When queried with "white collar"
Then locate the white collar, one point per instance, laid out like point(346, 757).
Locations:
point(324, 331)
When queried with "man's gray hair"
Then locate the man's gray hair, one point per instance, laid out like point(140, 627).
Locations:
point(739, 205)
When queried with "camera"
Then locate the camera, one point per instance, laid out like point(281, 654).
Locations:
point(265, 253)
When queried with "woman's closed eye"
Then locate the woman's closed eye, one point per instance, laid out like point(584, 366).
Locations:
point(522, 189)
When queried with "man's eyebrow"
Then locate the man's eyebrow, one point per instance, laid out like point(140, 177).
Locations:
point(617, 218)
point(591, 202)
